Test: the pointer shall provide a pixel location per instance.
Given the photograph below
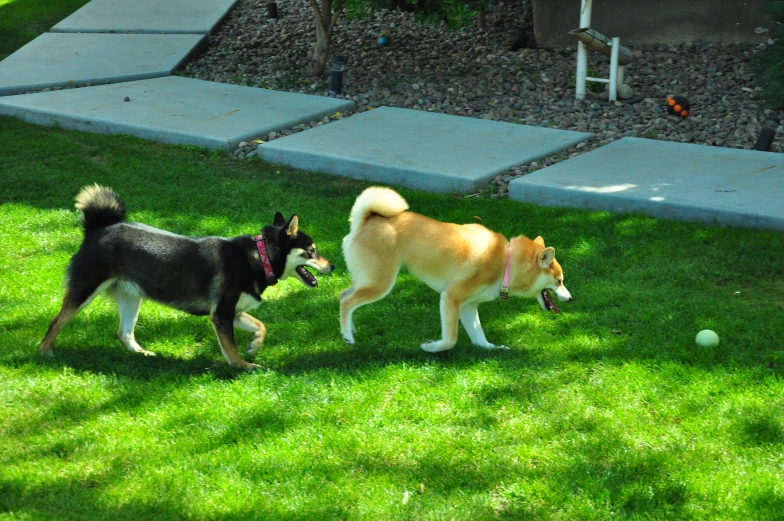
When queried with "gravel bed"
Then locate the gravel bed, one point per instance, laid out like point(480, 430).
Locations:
point(473, 72)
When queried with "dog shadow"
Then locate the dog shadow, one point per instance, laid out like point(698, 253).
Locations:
point(414, 307)
point(117, 362)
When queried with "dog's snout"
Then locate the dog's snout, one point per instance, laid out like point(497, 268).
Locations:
point(331, 267)
point(563, 294)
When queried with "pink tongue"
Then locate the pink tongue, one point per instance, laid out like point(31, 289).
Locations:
point(548, 299)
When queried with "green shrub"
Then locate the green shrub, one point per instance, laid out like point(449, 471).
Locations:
point(768, 64)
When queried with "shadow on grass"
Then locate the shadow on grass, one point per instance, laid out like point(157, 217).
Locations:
point(599, 473)
point(66, 498)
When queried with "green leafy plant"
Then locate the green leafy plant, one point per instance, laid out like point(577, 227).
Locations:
point(592, 86)
point(768, 64)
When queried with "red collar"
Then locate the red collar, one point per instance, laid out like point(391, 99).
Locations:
point(261, 246)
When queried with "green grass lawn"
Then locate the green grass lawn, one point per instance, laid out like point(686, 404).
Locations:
point(24, 20)
point(608, 410)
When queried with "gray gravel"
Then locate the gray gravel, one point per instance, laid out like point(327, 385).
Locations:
point(473, 72)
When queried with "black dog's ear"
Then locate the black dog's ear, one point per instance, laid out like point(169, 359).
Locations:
point(279, 219)
point(292, 227)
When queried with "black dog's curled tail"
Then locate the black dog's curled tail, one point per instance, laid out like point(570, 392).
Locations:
point(100, 207)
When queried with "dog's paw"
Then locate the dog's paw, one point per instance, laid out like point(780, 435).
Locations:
point(134, 347)
point(253, 347)
point(140, 350)
point(245, 366)
point(436, 346)
point(349, 339)
point(491, 346)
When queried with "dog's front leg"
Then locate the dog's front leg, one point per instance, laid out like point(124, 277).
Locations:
point(450, 307)
point(469, 317)
point(255, 326)
point(224, 328)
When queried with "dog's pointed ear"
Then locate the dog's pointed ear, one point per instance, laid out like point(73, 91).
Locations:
point(292, 227)
point(279, 219)
point(539, 241)
point(546, 257)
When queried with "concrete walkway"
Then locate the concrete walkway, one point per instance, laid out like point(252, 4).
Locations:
point(421, 150)
point(173, 110)
point(75, 60)
point(124, 55)
point(668, 180)
point(146, 16)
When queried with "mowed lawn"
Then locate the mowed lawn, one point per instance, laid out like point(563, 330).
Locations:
point(23, 20)
point(608, 410)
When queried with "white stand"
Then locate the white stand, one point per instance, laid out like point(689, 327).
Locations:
point(589, 38)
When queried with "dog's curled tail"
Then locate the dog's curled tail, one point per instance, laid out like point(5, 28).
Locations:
point(376, 199)
point(100, 207)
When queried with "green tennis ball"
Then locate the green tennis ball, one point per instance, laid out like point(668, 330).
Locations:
point(707, 338)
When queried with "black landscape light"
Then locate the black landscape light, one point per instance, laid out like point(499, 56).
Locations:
point(768, 133)
point(272, 11)
point(336, 79)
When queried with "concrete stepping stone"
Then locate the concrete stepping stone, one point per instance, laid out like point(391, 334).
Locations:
point(146, 16)
point(417, 149)
point(173, 110)
point(73, 60)
point(667, 180)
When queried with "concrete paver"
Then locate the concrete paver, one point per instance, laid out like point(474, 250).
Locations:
point(146, 16)
point(173, 110)
point(422, 150)
point(668, 180)
point(72, 60)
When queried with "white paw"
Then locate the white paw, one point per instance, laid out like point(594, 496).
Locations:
point(491, 346)
point(136, 348)
point(435, 346)
point(349, 339)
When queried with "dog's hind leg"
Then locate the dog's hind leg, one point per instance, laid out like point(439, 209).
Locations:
point(255, 326)
point(343, 294)
point(75, 300)
point(128, 305)
point(450, 307)
point(68, 310)
point(224, 328)
point(360, 296)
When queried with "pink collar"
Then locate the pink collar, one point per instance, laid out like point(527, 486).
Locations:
point(261, 246)
point(505, 283)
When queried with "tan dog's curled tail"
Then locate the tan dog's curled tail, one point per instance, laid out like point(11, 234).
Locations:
point(376, 199)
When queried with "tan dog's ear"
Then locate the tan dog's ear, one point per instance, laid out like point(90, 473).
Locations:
point(293, 226)
point(539, 241)
point(546, 257)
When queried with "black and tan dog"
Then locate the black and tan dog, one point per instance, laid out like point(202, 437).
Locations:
point(215, 276)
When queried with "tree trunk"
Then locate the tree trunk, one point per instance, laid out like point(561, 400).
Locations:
point(320, 51)
point(325, 23)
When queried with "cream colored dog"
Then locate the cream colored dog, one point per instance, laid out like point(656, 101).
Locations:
point(467, 264)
